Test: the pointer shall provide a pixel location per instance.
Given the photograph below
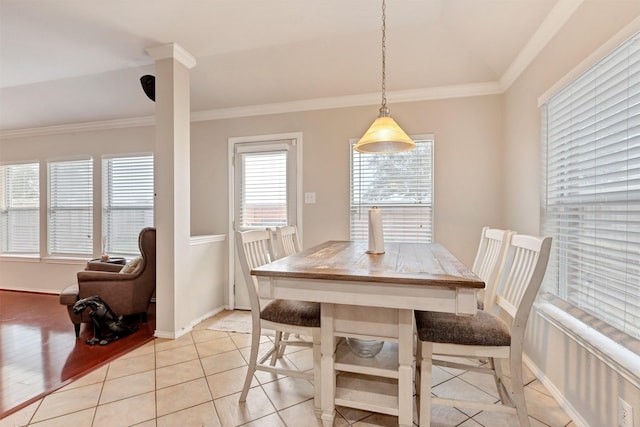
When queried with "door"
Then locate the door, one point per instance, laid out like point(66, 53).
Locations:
point(264, 187)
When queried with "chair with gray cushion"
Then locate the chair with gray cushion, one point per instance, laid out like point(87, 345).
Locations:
point(255, 248)
point(287, 240)
point(488, 262)
point(497, 336)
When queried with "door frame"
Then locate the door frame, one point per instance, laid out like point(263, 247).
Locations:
point(232, 141)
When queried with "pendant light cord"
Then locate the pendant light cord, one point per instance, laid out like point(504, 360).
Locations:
point(384, 42)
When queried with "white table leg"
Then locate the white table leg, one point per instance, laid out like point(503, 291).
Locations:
point(328, 377)
point(405, 368)
point(425, 384)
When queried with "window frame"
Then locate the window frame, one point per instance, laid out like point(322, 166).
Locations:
point(358, 209)
point(127, 245)
point(6, 208)
point(85, 209)
point(556, 285)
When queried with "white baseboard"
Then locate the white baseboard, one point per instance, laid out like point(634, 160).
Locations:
point(177, 334)
point(557, 395)
point(31, 290)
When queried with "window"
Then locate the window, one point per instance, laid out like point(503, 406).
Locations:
point(401, 185)
point(591, 190)
point(20, 209)
point(70, 216)
point(265, 184)
point(127, 203)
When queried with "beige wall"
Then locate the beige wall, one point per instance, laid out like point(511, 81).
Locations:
point(52, 275)
point(468, 163)
point(487, 152)
point(468, 167)
point(585, 385)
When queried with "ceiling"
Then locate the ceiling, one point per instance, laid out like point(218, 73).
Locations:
point(67, 62)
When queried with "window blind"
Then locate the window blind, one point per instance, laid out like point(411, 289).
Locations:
point(263, 189)
point(70, 218)
point(401, 185)
point(127, 203)
point(591, 191)
point(20, 208)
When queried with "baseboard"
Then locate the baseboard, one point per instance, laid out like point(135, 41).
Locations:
point(30, 290)
point(557, 395)
point(177, 334)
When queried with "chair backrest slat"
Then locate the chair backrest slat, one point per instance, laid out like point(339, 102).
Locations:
point(488, 262)
point(521, 277)
point(288, 241)
point(255, 248)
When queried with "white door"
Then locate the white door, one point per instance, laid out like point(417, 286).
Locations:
point(264, 188)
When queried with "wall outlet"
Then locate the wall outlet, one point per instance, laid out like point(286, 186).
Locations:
point(625, 414)
point(309, 198)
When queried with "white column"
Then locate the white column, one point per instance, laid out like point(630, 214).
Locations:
point(172, 184)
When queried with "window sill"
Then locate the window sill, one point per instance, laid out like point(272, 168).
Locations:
point(65, 260)
point(20, 258)
point(624, 361)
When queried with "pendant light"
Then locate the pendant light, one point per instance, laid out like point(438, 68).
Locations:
point(384, 135)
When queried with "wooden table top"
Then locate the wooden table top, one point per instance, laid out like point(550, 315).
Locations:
point(427, 264)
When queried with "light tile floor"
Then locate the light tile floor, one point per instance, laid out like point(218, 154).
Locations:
point(196, 381)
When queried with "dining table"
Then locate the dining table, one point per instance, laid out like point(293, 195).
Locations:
point(371, 297)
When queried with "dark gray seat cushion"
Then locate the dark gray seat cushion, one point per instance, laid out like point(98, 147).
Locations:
point(481, 329)
point(299, 313)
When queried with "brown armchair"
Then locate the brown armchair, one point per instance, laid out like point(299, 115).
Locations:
point(126, 293)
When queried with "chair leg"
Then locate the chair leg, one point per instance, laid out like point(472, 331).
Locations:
point(253, 358)
point(76, 327)
point(276, 347)
point(317, 374)
point(418, 374)
point(498, 377)
point(518, 389)
point(424, 409)
point(283, 344)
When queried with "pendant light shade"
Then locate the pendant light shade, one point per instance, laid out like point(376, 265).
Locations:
point(384, 135)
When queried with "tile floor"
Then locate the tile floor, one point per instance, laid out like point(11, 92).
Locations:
point(196, 380)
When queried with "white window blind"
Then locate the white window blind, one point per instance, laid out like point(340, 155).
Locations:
point(70, 219)
point(127, 203)
point(263, 189)
point(20, 208)
point(591, 190)
point(401, 185)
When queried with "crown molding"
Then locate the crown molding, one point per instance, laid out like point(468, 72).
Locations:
point(172, 51)
point(426, 94)
point(555, 20)
point(79, 127)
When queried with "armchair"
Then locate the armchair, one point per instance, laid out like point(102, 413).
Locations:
point(125, 292)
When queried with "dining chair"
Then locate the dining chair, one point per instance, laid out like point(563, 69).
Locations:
point(488, 261)
point(287, 240)
point(495, 336)
point(255, 248)
point(287, 243)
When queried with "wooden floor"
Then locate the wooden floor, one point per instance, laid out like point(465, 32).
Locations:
point(39, 352)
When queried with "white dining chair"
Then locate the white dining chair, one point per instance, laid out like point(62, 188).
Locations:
point(255, 248)
point(495, 336)
point(287, 240)
point(489, 260)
